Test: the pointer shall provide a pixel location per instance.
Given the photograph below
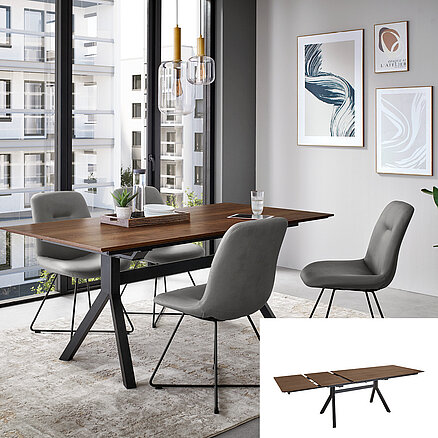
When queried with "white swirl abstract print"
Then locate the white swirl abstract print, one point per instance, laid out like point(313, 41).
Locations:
point(403, 130)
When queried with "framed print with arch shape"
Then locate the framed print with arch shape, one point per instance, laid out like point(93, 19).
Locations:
point(404, 130)
point(330, 89)
point(391, 47)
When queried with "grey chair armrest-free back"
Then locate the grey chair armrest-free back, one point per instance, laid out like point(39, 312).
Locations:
point(61, 260)
point(240, 283)
point(167, 254)
point(372, 273)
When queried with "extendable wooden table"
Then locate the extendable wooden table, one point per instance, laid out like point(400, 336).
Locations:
point(112, 242)
point(340, 378)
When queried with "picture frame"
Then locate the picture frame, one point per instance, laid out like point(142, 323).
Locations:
point(404, 130)
point(330, 89)
point(391, 47)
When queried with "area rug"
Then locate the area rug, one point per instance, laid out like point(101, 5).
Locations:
point(44, 397)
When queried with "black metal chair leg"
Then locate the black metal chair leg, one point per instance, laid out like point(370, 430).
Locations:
point(216, 394)
point(330, 303)
point(329, 398)
point(369, 304)
point(75, 293)
point(254, 327)
point(191, 278)
point(332, 390)
point(373, 392)
point(41, 305)
point(153, 303)
point(378, 304)
point(317, 302)
point(89, 294)
point(151, 380)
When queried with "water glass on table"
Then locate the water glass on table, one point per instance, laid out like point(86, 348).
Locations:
point(257, 199)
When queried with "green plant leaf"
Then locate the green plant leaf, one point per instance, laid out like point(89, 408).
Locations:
point(427, 191)
point(435, 195)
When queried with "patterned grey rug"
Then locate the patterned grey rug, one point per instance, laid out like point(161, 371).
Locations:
point(44, 397)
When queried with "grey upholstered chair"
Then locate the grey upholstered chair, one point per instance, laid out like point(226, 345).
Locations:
point(240, 283)
point(372, 273)
point(61, 260)
point(168, 254)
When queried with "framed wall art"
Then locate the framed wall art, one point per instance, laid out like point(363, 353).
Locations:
point(404, 130)
point(330, 89)
point(391, 47)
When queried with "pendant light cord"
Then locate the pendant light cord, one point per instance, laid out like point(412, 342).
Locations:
point(176, 1)
point(200, 17)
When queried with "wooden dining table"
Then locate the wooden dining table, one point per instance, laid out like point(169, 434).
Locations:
point(207, 222)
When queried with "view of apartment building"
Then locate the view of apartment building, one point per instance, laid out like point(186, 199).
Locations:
point(109, 110)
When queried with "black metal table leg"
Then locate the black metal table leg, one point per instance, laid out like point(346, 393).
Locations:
point(85, 326)
point(267, 311)
point(373, 391)
point(326, 403)
point(382, 399)
point(111, 284)
point(332, 391)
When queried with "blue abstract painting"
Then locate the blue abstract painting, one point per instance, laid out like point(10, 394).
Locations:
point(331, 89)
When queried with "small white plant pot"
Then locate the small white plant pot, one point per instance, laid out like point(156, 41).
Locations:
point(123, 212)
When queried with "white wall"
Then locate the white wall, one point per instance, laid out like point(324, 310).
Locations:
point(333, 179)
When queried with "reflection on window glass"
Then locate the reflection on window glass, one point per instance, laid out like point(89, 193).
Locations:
point(5, 100)
point(30, 263)
point(5, 23)
point(34, 44)
point(5, 171)
point(33, 175)
point(34, 100)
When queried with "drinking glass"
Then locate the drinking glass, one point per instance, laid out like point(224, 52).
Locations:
point(257, 198)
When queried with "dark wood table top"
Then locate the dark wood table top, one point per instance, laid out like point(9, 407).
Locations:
point(294, 383)
point(372, 373)
point(301, 382)
point(206, 222)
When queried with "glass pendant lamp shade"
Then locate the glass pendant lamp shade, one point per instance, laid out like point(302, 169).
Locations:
point(175, 93)
point(201, 70)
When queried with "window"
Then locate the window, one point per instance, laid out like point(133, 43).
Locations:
point(198, 176)
point(136, 110)
point(5, 171)
point(170, 148)
point(199, 141)
point(136, 138)
point(34, 44)
point(170, 169)
point(136, 82)
point(34, 99)
point(33, 175)
point(199, 108)
point(5, 250)
point(5, 100)
point(91, 24)
point(50, 41)
point(5, 23)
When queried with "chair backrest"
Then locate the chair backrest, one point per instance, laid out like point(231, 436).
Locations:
point(57, 206)
point(383, 249)
point(153, 195)
point(243, 270)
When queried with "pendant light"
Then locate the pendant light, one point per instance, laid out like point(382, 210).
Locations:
point(175, 93)
point(201, 68)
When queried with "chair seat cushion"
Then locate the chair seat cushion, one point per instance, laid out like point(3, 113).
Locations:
point(341, 274)
point(186, 300)
point(87, 266)
point(175, 253)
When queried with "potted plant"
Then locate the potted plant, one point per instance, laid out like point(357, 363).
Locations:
point(123, 199)
point(434, 194)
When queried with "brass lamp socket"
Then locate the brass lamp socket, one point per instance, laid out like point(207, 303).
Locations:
point(201, 46)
